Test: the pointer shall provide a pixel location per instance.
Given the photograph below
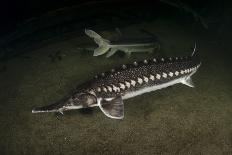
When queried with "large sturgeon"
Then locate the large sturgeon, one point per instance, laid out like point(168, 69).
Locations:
point(108, 90)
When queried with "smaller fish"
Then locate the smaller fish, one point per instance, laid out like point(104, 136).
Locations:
point(128, 46)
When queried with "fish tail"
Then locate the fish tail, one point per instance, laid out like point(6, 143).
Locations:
point(194, 50)
point(102, 43)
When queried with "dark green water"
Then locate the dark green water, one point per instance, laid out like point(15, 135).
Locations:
point(175, 120)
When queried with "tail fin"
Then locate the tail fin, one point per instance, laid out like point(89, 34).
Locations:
point(102, 43)
point(194, 50)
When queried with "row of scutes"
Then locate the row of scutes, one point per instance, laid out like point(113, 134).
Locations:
point(118, 87)
point(145, 62)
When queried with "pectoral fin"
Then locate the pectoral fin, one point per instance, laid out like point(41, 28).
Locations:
point(188, 81)
point(113, 108)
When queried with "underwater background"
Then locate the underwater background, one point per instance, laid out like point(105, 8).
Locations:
point(44, 54)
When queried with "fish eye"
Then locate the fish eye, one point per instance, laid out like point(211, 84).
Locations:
point(84, 99)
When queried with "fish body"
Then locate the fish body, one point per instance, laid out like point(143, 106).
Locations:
point(126, 45)
point(108, 90)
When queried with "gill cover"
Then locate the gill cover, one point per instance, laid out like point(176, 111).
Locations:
point(84, 99)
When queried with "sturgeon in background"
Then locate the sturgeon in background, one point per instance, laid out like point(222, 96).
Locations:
point(108, 90)
point(127, 45)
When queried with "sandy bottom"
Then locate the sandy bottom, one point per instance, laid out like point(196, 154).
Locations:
point(175, 120)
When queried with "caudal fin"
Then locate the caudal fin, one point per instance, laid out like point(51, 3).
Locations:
point(102, 43)
point(194, 50)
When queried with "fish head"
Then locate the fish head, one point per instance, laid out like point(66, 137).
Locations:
point(76, 101)
point(83, 100)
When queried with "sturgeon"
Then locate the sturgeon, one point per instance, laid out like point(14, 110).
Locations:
point(126, 45)
point(108, 89)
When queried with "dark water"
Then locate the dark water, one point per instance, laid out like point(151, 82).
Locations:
point(42, 61)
